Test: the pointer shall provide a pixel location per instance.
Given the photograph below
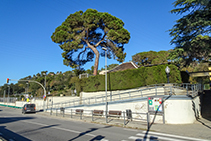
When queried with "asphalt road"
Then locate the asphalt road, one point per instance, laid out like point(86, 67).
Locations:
point(15, 126)
point(19, 127)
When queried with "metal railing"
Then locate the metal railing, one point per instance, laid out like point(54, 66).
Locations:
point(157, 89)
point(8, 100)
point(151, 90)
point(125, 118)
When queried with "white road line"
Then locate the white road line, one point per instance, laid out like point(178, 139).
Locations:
point(128, 129)
point(136, 138)
point(157, 137)
point(68, 130)
point(175, 136)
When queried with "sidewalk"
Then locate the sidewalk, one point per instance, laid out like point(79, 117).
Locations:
point(199, 129)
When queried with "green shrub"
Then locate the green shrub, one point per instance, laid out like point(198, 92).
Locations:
point(131, 78)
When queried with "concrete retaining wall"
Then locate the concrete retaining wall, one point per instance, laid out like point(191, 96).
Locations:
point(177, 109)
point(60, 99)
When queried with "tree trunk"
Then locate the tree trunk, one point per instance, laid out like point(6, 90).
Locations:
point(96, 63)
point(96, 59)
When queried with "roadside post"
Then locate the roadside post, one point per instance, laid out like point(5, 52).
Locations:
point(34, 82)
point(155, 107)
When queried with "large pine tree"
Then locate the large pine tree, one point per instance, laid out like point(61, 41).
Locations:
point(83, 35)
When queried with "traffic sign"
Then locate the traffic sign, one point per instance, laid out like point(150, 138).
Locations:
point(155, 104)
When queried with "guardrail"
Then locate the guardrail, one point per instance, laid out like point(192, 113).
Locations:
point(156, 89)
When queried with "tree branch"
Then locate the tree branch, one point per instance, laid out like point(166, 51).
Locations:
point(100, 40)
point(87, 42)
point(87, 33)
point(81, 52)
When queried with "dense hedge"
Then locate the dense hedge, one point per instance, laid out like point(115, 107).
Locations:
point(131, 78)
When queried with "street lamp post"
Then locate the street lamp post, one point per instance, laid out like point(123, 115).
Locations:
point(167, 72)
point(45, 92)
point(106, 110)
point(4, 95)
point(45, 80)
point(8, 97)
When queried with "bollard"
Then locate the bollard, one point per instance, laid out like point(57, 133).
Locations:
point(92, 116)
point(148, 120)
point(124, 117)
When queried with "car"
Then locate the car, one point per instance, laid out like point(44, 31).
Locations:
point(29, 108)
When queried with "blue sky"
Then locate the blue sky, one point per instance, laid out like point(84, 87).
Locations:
point(27, 25)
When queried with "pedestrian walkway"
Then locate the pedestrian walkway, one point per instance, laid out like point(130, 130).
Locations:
point(201, 129)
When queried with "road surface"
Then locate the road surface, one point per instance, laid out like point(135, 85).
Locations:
point(15, 126)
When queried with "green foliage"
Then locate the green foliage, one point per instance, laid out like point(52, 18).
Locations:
point(150, 57)
point(191, 33)
point(90, 71)
point(63, 83)
point(55, 83)
point(132, 78)
point(78, 71)
point(83, 34)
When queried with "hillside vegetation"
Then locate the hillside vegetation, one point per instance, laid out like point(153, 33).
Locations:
point(68, 82)
point(131, 78)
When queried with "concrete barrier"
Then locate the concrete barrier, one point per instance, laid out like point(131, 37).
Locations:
point(177, 109)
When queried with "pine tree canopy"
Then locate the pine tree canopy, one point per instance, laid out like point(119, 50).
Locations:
point(83, 35)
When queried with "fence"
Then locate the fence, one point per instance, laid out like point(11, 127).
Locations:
point(157, 89)
point(151, 90)
point(8, 100)
point(124, 118)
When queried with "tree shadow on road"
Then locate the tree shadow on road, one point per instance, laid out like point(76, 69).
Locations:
point(44, 127)
point(150, 124)
point(9, 135)
point(4, 120)
point(98, 137)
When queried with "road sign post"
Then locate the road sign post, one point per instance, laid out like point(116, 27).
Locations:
point(155, 106)
point(37, 83)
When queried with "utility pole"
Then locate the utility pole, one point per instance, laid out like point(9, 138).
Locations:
point(106, 105)
point(4, 95)
point(8, 97)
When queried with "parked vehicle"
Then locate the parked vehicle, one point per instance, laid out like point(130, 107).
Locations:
point(29, 108)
